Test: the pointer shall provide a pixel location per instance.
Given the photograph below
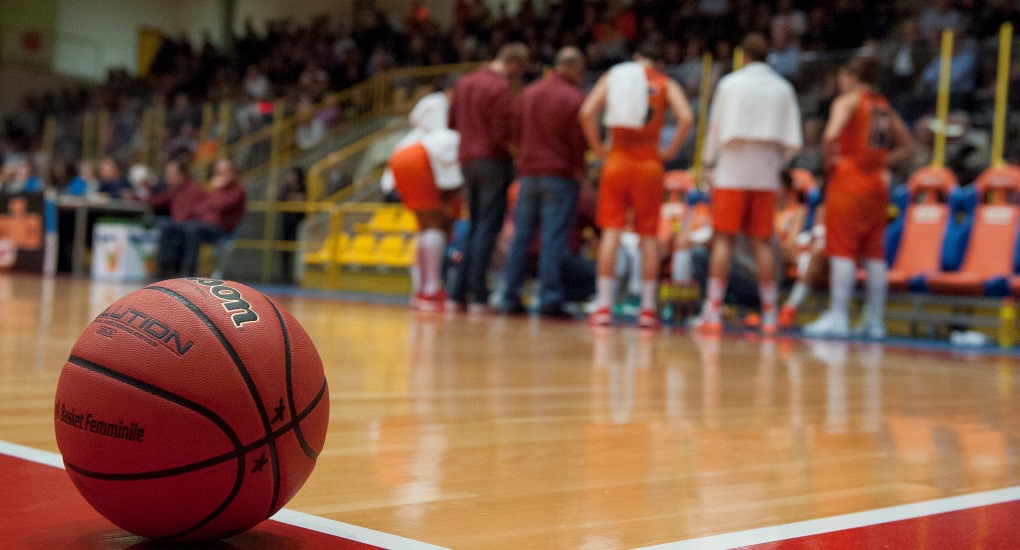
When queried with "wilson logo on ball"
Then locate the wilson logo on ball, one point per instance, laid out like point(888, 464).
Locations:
point(142, 325)
point(235, 304)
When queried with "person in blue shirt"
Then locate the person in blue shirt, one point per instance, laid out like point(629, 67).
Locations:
point(85, 183)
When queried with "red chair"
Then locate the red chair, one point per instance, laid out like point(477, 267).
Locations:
point(988, 263)
point(924, 226)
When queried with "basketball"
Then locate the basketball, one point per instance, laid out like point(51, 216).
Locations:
point(191, 410)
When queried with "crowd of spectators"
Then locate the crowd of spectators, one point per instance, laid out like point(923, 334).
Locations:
point(301, 63)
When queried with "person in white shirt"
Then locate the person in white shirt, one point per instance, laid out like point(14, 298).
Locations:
point(754, 130)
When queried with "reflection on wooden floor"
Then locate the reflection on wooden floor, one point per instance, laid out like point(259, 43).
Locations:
point(488, 432)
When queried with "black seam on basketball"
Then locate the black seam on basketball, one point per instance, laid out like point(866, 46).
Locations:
point(240, 452)
point(309, 451)
point(183, 402)
point(243, 370)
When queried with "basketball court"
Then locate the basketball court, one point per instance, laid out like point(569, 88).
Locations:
point(493, 432)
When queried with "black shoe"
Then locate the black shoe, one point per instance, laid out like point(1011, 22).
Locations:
point(555, 311)
point(514, 308)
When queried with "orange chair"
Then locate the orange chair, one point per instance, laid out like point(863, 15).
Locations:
point(924, 227)
point(988, 263)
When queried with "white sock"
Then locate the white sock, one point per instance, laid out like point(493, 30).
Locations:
point(877, 286)
point(843, 277)
point(634, 281)
point(431, 242)
point(681, 271)
point(649, 295)
point(797, 295)
point(416, 270)
point(768, 294)
point(716, 293)
point(604, 287)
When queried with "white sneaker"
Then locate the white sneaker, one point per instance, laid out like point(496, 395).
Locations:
point(829, 325)
point(869, 329)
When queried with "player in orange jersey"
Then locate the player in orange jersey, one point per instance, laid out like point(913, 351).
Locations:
point(635, 96)
point(863, 138)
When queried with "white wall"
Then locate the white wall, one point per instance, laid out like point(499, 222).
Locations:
point(96, 35)
point(93, 36)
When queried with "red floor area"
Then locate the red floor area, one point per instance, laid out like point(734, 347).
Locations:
point(40, 509)
point(990, 527)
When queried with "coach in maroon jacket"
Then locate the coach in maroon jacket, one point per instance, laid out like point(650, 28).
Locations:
point(180, 200)
point(550, 164)
point(216, 217)
point(481, 109)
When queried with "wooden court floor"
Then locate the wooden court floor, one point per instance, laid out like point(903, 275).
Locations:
point(490, 432)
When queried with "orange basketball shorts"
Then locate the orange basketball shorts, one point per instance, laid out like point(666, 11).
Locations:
point(752, 213)
point(412, 175)
point(631, 181)
point(855, 213)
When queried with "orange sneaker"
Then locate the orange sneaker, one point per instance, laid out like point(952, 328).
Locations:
point(647, 319)
point(601, 317)
point(430, 303)
point(752, 320)
point(787, 317)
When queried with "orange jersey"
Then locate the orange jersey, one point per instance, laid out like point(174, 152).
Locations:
point(646, 138)
point(867, 138)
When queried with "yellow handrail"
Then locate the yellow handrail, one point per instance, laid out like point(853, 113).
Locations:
point(316, 179)
point(942, 101)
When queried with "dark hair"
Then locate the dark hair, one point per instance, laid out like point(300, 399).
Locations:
point(755, 46)
point(650, 50)
point(300, 177)
point(864, 68)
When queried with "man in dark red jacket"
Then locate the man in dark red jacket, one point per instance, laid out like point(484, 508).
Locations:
point(174, 206)
point(550, 164)
point(481, 109)
point(216, 217)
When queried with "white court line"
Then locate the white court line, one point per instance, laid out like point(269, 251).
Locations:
point(290, 517)
point(867, 518)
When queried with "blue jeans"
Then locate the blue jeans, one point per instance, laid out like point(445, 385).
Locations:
point(196, 233)
point(549, 202)
point(485, 183)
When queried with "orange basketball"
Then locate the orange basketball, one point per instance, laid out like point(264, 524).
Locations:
point(191, 409)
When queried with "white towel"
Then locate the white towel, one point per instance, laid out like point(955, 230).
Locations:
point(431, 113)
point(441, 146)
point(627, 96)
point(753, 104)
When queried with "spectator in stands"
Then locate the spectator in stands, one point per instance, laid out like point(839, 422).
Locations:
point(787, 15)
point(902, 58)
point(62, 173)
point(751, 151)
point(256, 84)
point(550, 165)
point(481, 110)
point(18, 177)
point(112, 183)
point(962, 75)
point(999, 12)
point(784, 56)
point(311, 130)
point(941, 15)
point(810, 156)
point(215, 218)
point(967, 148)
point(174, 205)
point(85, 184)
point(293, 191)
